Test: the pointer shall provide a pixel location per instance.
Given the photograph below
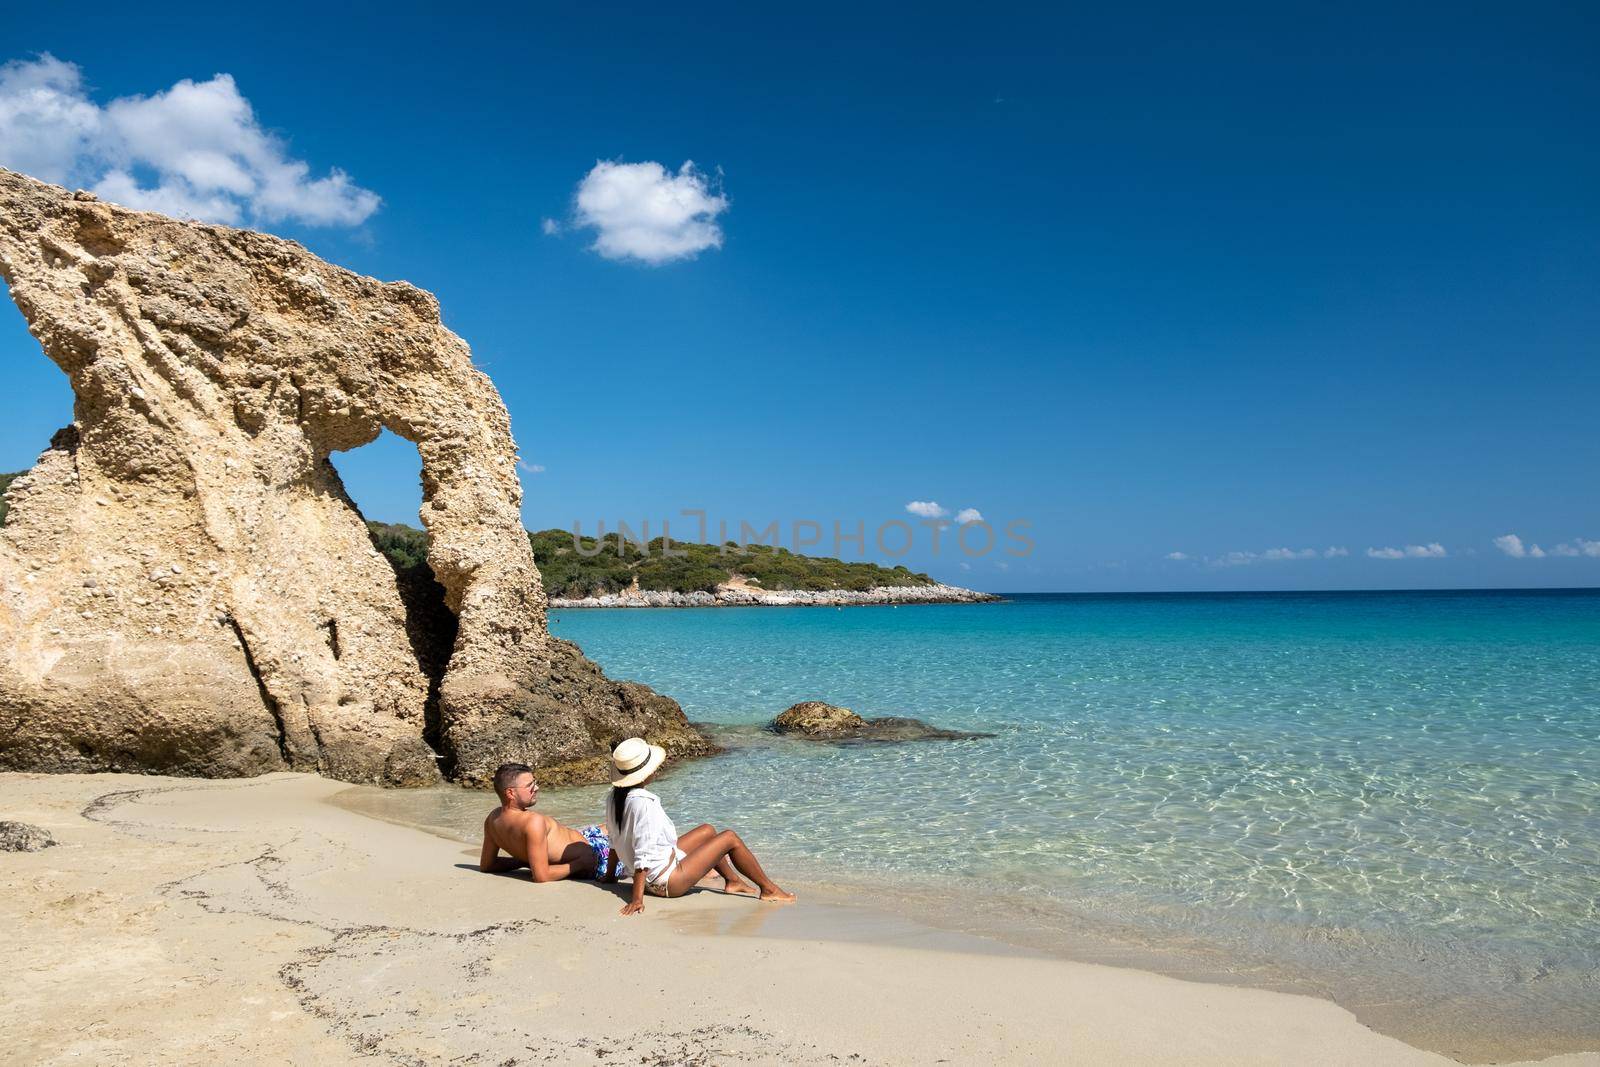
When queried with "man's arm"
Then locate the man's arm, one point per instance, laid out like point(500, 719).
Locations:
point(489, 860)
point(611, 866)
point(539, 853)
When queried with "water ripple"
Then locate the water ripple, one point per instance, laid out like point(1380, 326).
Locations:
point(1342, 782)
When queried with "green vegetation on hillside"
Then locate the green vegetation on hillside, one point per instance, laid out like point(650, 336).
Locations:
point(404, 545)
point(570, 573)
point(610, 564)
point(603, 567)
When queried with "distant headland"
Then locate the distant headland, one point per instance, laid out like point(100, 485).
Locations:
point(614, 572)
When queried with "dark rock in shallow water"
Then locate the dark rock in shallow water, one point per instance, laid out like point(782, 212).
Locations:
point(20, 837)
point(896, 728)
point(819, 721)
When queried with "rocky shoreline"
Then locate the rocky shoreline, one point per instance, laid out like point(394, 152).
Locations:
point(726, 597)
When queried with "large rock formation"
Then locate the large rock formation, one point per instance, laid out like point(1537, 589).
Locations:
point(186, 588)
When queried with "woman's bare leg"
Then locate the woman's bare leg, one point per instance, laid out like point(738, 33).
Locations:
point(732, 883)
point(726, 845)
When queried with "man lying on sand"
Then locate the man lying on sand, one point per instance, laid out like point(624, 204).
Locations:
point(547, 848)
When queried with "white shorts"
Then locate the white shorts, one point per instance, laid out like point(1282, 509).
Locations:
point(656, 885)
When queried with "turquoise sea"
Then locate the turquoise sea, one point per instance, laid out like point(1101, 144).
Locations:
point(1392, 799)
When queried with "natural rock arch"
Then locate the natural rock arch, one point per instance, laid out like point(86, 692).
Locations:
point(185, 586)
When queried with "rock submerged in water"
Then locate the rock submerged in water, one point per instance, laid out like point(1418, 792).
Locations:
point(186, 587)
point(815, 718)
point(818, 720)
point(22, 837)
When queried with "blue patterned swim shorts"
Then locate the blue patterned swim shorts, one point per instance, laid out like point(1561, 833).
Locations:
point(596, 836)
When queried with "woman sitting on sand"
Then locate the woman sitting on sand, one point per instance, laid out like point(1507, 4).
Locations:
point(663, 863)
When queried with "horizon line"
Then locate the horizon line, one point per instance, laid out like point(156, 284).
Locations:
point(1279, 592)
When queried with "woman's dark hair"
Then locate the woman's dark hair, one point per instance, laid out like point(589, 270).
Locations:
point(619, 805)
point(619, 795)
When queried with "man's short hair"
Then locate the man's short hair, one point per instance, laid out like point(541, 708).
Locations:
point(507, 773)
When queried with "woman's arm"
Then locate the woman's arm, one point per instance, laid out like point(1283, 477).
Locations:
point(635, 906)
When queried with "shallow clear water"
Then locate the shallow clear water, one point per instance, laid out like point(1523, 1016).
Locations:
point(1404, 783)
point(1390, 798)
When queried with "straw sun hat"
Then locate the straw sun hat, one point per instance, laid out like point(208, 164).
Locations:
point(634, 760)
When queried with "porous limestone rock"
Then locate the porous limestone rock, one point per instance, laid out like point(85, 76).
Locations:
point(23, 837)
point(185, 586)
point(816, 718)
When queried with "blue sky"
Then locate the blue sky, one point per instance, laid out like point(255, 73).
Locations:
point(1156, 282)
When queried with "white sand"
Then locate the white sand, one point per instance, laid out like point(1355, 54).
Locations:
point(185, 921)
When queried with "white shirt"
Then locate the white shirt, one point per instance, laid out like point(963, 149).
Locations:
point(644, 838)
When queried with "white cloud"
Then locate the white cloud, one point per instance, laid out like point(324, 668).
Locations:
point(928, 509)
point(965, 565)
point(966, 515)
point(1177, 555)
point(195, 150)
point(176, 200)
point(530, 468)
point(549, 227)
point(1432, 550)
point(1511, 545)
point(1335, 552)
point(643, 211)
point(1241, 559)
point(46, 123)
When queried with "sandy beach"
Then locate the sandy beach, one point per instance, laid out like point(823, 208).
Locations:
point(183, 921)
